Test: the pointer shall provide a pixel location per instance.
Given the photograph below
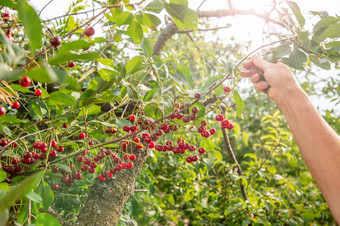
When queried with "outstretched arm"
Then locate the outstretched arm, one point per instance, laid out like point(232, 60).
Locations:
point(318, 143)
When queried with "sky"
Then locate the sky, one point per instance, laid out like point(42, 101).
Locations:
point(244, 28)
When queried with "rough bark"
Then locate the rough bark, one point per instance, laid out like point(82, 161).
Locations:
point(106, 199)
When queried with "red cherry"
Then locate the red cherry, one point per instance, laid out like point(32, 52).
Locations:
point(201, 150)
point(179, 116)
point(54, 144)
point(108, 130)
point(64, 125)
point(230, 126)
point(227, 89)
point(219, 118)
point(87, 161)
point(5, 16)
point(126, 156)
point(25, 81)
point(124, 165)
point(151, 145)
point(37, 92)
point(225, 124)
point(91, 170)
point(194, 158)
point(79, 176)
point(114, 130)
point(132, 118)
point(192, 148)
point(52, 153)
point(147, 139)
point(82, 135)
point(189, 159)
point(55, 41)
point(71, 64)
point(201, 129)
point(206, 134)
point(136, 140)
point(26, 160)
point(186, 119)
point(3, 142)
point(55, 169)
point(84, 168)
point(15, 161)
point(2, 110)
point(15, 105)
point(89, 31)
point(93, 165)
point(139, 146)
point(126, 128)
point(132, 157)
point(129, 165)
point(36, 145)
point(204, 123)
point(194, 110)
point(164, 127)
point(101, 178)
point(60, 149)
point(80, 158)
point(212, 131)
point(197, 95)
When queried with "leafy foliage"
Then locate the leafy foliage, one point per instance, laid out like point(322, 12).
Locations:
point(114, 75)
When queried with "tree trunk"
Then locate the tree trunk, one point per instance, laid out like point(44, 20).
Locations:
point(106, 199)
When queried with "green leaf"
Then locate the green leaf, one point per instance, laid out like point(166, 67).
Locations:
point(14, 52)
point(155, 6)
point(151, 20)
point(134, 64)
point(47, 74)
point(124, 18)
point(34, 197)
point(281, 50)
point(8, 3)
point(297, 13)
point(325, 22)
point(47, 195)
point(179, 2)
point(183, 17)
point(10, 118)
point(332, 31)
point(7, 74)
point(43, 219)
point(324, 65)
point(153, 111)
point(74, 46)
point(60, 98)
point(239, 103)
point(3, 175)
point(6, 130)
point(186, 76)
point(135, 31)
point(296, 59)
point(217, 155)
point(207, 143)
point(31, 22)
point(122, 122)
point(20, 189)
point(211, 81)
point(64, 57)
point(147, 47)
point(149, 95)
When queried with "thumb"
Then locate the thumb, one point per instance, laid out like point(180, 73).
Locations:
point(260, 63)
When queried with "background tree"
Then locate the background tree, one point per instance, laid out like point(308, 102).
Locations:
point(82, 116)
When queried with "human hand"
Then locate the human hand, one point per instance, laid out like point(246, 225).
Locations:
point(278, 78)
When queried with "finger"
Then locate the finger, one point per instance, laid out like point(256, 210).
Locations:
point(261, 86)
point(260, 63)
point(246, 74)
point(248, 65)
point(255, 78)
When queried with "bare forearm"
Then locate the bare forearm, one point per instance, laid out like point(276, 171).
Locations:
point(318, 143)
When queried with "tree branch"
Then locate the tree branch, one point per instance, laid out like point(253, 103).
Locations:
point(233, 158)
